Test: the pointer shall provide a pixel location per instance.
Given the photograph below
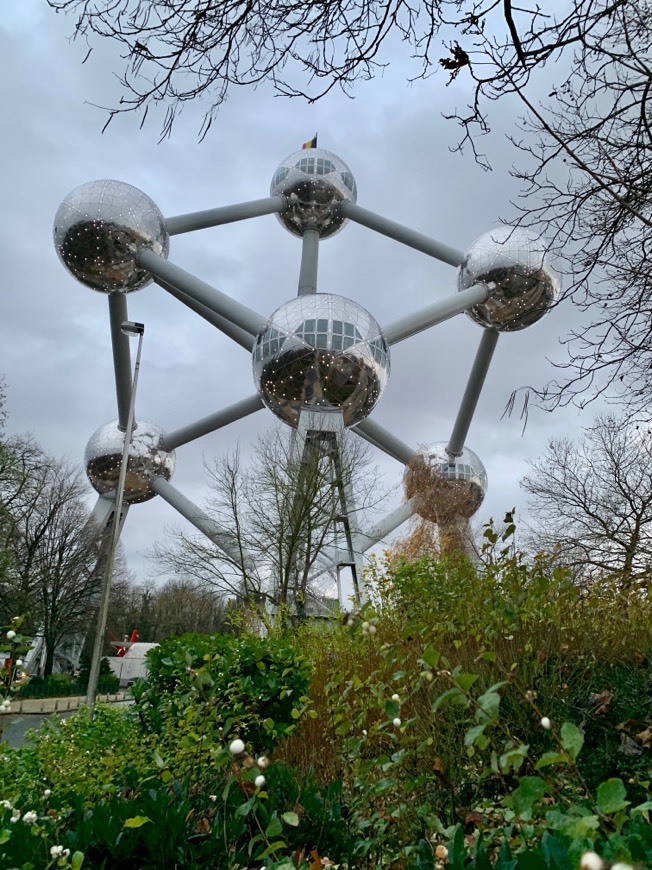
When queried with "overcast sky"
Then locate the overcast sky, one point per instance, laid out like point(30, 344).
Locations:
point(56, 351)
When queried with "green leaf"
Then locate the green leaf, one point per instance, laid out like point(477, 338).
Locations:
point(453, 695)
point(465, 681)
point(611, 796)
point(549, 758)
point(512, 759)
point(572, 739)
point(392, 709)
point(291, 819)
point(430, 656)
point(274, 828)
point(136, 822)
point(555, 852)
point(472, 734)
point(530, 861)
point(279, 844)
point(489, 704)
point(4, 836)
point(245, 808)
point(530, 790)
point(574, 827)
point(77, 860)
point(643, 808)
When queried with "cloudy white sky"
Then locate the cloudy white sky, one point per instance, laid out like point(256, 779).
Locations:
point(56, 352)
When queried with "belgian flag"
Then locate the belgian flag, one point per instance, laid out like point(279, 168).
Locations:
point(311, 144)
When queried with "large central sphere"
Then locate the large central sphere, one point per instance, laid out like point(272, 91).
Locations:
point(446, 487)
point(147, 460)
point(321, 351)
point(100, 227)
point(519, 273)
point(314, 183)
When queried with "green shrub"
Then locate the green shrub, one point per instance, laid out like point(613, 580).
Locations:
point(246, 686)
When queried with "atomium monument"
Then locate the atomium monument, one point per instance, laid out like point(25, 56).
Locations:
point(320, 361)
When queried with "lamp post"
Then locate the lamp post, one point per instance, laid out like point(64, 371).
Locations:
point(131, 329)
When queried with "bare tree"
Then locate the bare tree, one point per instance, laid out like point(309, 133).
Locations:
point(280, 517)
point(592, 501)
point(52, 550)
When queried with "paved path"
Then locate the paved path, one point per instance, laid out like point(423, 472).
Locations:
point(60, 705)
point(31, 712)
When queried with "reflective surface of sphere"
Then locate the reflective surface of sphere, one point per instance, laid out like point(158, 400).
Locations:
point(516, 267)
point(445, 486)
point(98, 229)
point(321, 350)
point(103, 457)
point(314, 183)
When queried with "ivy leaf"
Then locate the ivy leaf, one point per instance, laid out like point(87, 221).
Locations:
point(572, 739)
point(136, 822)
point(611, 796)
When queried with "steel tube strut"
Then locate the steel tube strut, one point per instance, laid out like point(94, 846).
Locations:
point(244, 339)
point(201, 292)
point(200, 520)
point(472, 392)
point(402, 234)
point(380, 437)
point(211, 423)
point(121, 356)
point(227, 214)
point(368, 539)
point(309, 260)
point(429, 316)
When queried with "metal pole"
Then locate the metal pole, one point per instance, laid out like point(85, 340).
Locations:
point(244, 339)
point(392, 521)
point(429, 316)
point(380, 437)
point(227, 214)
point(472, 392)
point(93, 676)
point(172, 440)
point(309, 259)
point(209, 296)
point(402, 234)
point(121, 356)
point(221, 537)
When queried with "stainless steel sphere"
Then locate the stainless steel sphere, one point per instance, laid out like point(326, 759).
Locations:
point(314, 183)
point(98, 229)
point(518, 270)
point(103, 458)
point(445, 486)
point(321, 350)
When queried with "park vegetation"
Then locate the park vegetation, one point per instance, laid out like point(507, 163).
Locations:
point(471, 715)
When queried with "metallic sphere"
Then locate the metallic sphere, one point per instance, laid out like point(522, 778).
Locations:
point(314, 183)
point(103, 458)
point(445, 486)
point(321, 351)
point(98, 229)
point(518, 270)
